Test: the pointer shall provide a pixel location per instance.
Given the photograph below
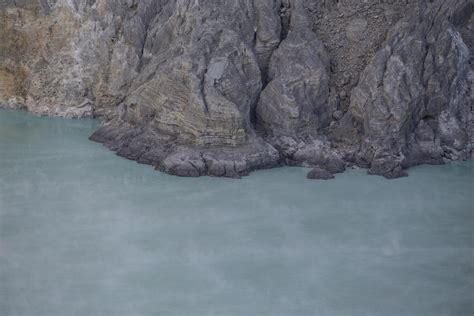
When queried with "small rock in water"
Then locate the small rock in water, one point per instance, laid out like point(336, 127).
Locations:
point(319, 174)
point(334, 166)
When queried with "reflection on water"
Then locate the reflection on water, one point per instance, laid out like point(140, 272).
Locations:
point(83, 232)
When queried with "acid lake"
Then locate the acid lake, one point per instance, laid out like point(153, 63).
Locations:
point(84, 232)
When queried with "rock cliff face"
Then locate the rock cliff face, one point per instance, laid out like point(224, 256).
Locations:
point(223, 87)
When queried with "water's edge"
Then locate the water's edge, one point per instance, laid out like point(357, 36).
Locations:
point(84, 232)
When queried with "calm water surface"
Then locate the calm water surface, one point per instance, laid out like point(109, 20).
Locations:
point(83, 232)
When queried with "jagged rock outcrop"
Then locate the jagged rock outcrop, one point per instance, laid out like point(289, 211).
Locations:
point(293, 108)
point(295, 101)
point(200, 77)
point(411, 101)
point(218, 87)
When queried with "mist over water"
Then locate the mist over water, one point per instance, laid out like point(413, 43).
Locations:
point(84, 232)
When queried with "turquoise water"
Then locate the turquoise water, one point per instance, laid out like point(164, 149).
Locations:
point(83, 232)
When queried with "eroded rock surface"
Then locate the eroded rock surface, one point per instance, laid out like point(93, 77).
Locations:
point(221, 88)
point(412, 99)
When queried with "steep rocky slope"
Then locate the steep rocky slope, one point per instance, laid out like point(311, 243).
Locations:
point(223, 87)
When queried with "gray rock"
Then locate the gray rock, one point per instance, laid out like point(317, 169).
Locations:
point(356, 29)
point(167, 154)
point(296, 97)
point(221, 88)
point(412, 99)
point(308, 152)
point(338, 115)
point(319, 174)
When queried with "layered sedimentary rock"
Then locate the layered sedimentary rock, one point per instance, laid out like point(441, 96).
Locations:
point(200, 76)
point(221, 87)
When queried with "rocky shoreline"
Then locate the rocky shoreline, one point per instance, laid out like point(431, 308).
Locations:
point(206, 87)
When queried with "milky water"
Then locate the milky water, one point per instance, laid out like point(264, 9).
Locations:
point(84, 232)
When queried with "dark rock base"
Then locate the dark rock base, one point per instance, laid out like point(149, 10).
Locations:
point(319, 174)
